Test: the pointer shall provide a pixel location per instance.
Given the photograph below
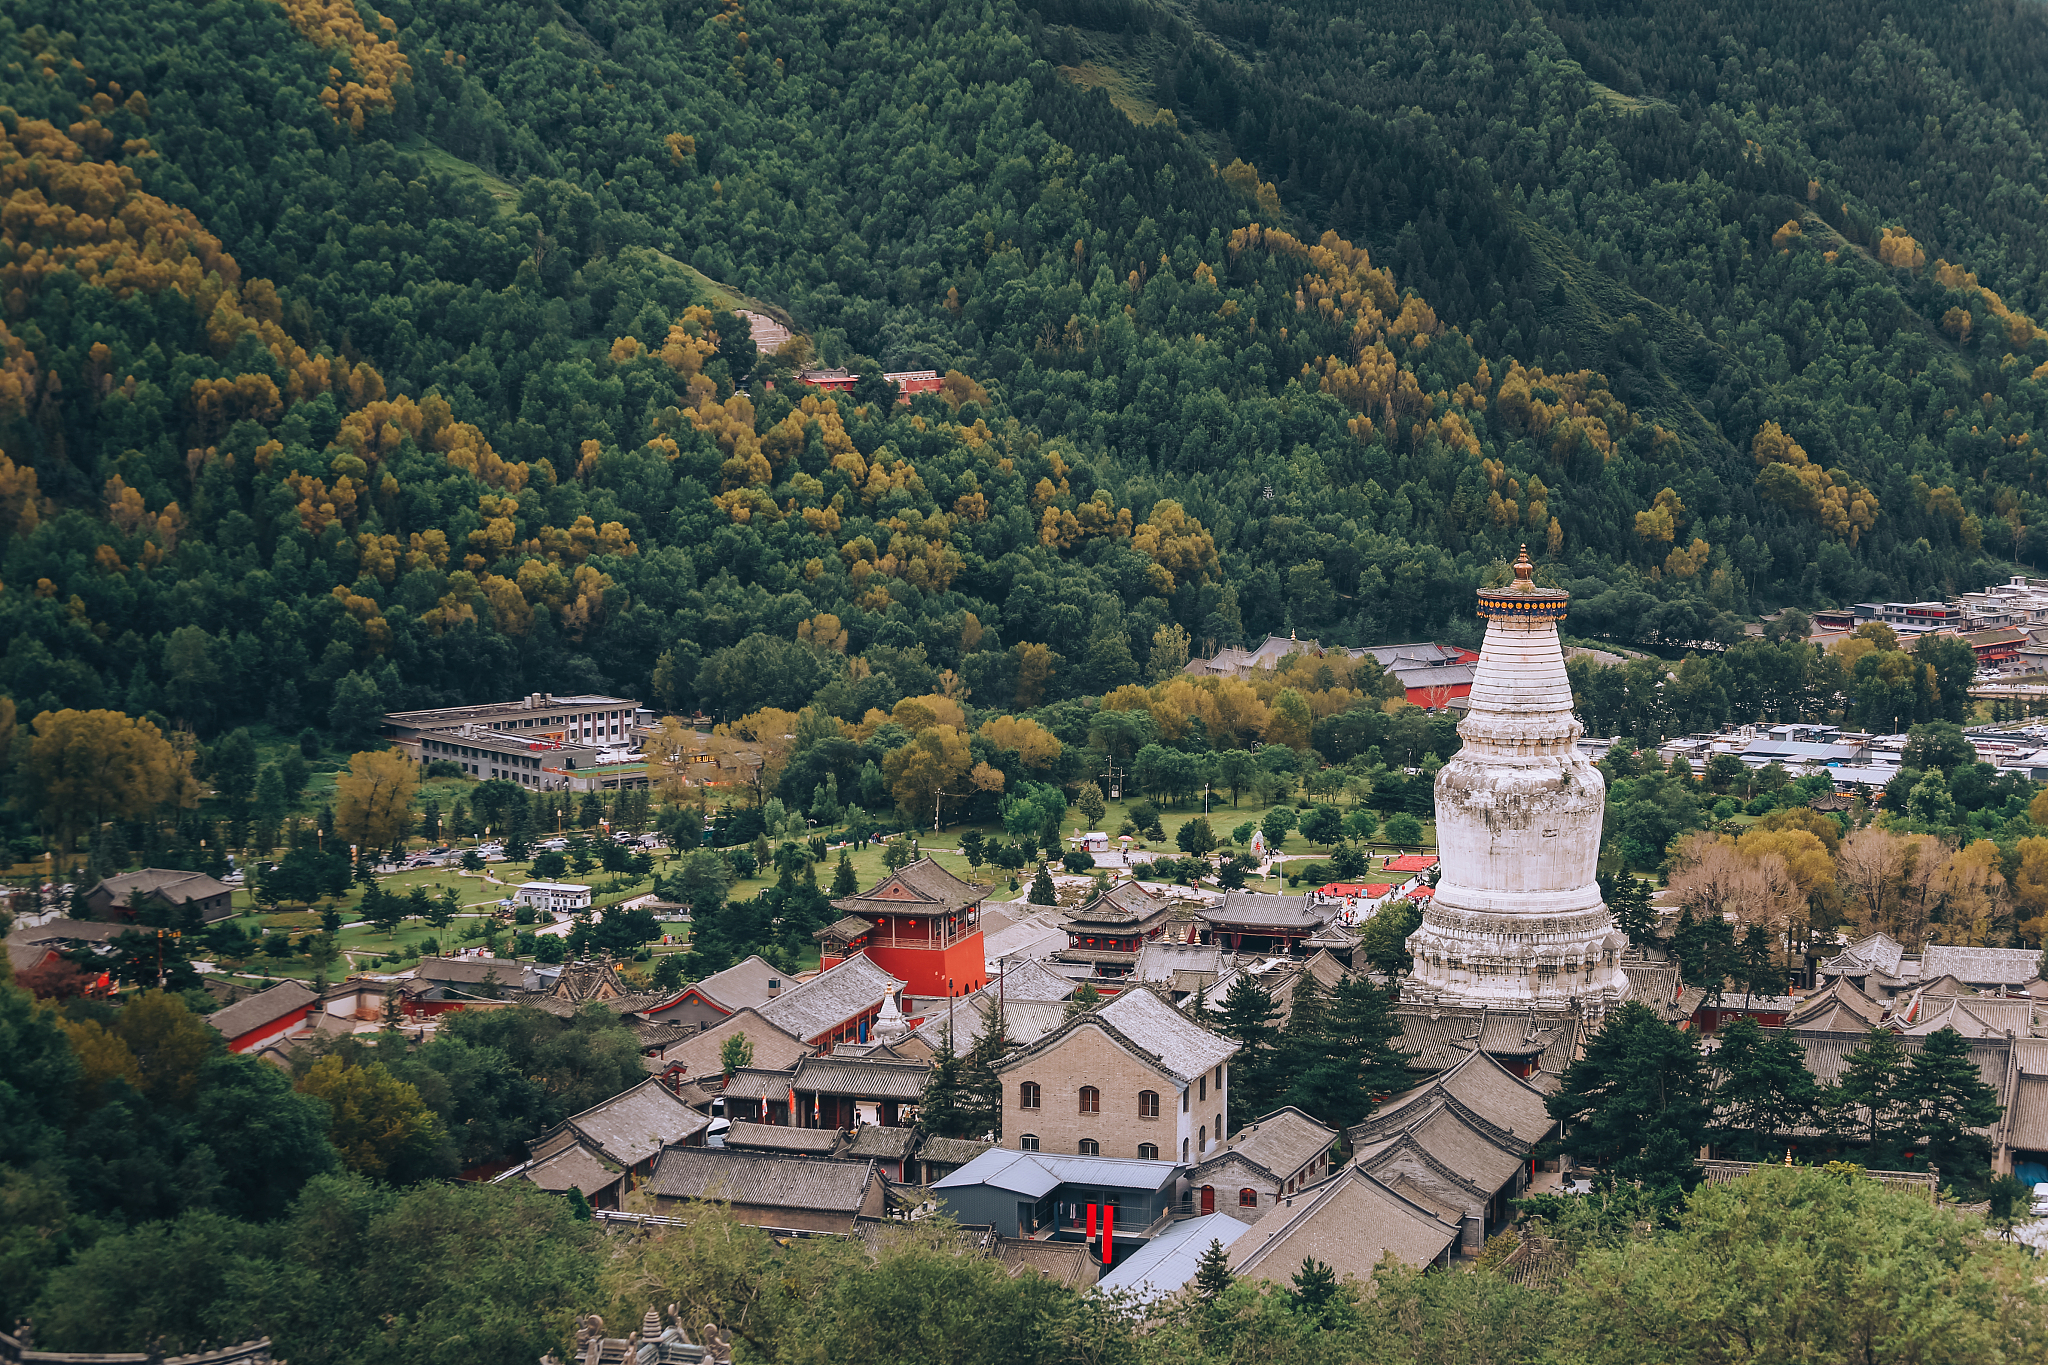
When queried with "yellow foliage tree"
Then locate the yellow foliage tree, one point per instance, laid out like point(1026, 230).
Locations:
point(375, 1121)
point(924, 770)
point(1037, 746)
point(1842, 505)
point(88, 767)
point(373, 797)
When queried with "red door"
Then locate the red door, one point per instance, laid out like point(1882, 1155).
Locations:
point(1208, 1199)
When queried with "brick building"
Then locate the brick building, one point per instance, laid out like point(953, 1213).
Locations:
point(1133, 1079)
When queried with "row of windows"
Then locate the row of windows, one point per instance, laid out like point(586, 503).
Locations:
point(1029, 1096)
point(1147, 1151)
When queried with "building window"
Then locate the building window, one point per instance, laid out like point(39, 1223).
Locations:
point(1183, 1149)
point(1027, 1095)
point(1247, 1198)
point(1091, 1100)
point(1204, 1083)
point(1202, 1139)
point(1028, 1143)
point(1183, 1101)
point(1219, 1075)
point(1090, 1147)
point(1147, 1152)
point(1148, 1104)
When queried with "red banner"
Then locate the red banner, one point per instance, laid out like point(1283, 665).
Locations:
point(1108, 1230)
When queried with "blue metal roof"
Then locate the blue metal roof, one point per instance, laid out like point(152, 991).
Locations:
point(1039, 1173)
point(1170, 1260)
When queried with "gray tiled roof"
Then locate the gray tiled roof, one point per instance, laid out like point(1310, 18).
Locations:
point(830, 999)
point(634, 1124)
point(173, 884)
point(472, 971)
point(1437, 1037)
point(2027, 1124)
point(932, 890)
point(1981, 966)
point(1274, 912)
point(1024, 1021)
point(945, 1151)
point(1878, 952)
point(1478, 1082)
point(1456, 1140)
point(874, 1143)
point(1124, 904)
point(774, 1050)
point(773, 1137)
point(845, 929)
point(574, 1167)
point(1282, 1142)
point(744, 984)
point(1031, 981)
point(1349, 1222)
point(264, 1007)
point(761, 1179)
point(862, 1078)
point(1150, 1027)
point(1158, 960)
point(1839, 999)
point(759, 1083)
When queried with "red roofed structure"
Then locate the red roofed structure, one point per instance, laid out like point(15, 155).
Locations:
point(1412, 862)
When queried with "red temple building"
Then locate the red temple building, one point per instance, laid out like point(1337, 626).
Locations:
point(921, 924)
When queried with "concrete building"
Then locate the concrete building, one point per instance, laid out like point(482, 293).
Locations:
point(542, 741)
point(564, 896)
point(1517, 918)
point(562, 721)
point(1040, 1194)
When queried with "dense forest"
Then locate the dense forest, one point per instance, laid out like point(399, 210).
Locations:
point(386, 355)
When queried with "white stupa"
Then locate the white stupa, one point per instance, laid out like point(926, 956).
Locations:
point(1517, 918)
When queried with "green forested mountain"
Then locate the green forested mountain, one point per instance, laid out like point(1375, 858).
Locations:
point(395, 343)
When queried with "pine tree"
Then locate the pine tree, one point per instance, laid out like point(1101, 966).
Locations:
point(1042, 892)
point(1636, 1103)
point(844, 880)
point(1628, 900)
point(1247, 1020)
point(1764, 1090)
point(1212, 1272)
point(1082, 1000)
point(1315, 1290)
point(939, 1110)
point(1873, 1079)
point(980, 1087)
point(1949, 1097)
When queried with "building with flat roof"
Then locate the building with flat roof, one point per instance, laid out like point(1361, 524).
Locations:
point(583, 720)
point(553, 896)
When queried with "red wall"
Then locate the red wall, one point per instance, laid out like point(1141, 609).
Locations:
point(927, 969)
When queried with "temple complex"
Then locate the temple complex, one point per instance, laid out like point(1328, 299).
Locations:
point(1517, 919)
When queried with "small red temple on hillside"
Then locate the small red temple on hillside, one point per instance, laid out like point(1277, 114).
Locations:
point(920, 923)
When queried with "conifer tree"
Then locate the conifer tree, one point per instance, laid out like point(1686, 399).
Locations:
point(1042, 892)
point(1247, 1020)
point(1873, 1079)
point(1212, 1272)
point(1764, 1088)
point(939, 1109)
point(1636, 1103)
point(1949, 1097)
point(844, 880)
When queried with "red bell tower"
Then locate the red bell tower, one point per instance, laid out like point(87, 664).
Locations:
point(920, 924)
